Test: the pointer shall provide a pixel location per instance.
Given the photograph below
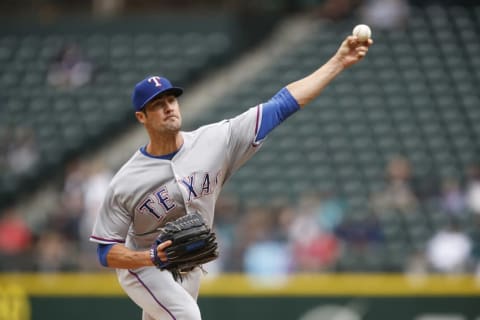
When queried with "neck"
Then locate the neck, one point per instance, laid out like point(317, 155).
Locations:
point(164, 144)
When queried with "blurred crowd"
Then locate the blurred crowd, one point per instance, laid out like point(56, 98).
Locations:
point(59, 242)
point(320, 232)
point(69, 68)
point(317, 234)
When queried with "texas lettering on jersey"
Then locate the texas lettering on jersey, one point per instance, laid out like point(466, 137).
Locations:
point(196, 185)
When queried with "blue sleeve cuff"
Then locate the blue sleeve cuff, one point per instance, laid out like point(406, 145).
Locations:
point(275, 111)
point(102, 251)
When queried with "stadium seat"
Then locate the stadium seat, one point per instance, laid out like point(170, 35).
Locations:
point(415, 94)
point(416, 97)
point(68, 120)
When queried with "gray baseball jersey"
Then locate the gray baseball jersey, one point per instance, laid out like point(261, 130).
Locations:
point(148, 191)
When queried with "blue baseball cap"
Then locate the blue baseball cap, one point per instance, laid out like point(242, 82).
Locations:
point(149, 88)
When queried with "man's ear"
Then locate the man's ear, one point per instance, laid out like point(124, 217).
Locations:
point(141, 116)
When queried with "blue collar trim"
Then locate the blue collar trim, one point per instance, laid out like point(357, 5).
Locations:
point(168, 156)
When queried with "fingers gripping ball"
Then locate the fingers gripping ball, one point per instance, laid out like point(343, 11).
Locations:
point(362, 32)
point(193, 244)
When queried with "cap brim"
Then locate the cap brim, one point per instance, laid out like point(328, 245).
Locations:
point(176, 91)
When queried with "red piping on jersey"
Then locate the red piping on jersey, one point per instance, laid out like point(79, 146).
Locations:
point(258, 118)
point(257, 124)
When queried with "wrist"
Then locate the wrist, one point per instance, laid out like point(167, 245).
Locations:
point(338, 63)
point(153, 255)
point(154, 258)
point(148, 258)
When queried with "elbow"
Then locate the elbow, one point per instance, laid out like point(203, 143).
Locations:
point(297, 93)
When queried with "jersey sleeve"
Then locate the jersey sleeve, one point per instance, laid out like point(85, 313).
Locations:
point(276, 110)
point(248, 130)
point(241, 136)
point(112, 223)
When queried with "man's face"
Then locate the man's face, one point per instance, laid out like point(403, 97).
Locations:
point(161, 115)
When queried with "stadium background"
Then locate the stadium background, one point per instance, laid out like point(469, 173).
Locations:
point(362, 206)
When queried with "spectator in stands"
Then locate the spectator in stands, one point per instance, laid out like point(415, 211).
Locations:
point(385, 14)
point(336, 9)
point(267, 252)
point(399, 192)
point(54, 252)
point(15, 239)
point(449, 250)
point(93, 188)
point(473, 189)
point(21, 154)
point(227, 216)
point(416, 264)
point(84, 182)
point(330, 212)
point(84, 185)
point(70, 69)
point(73, 185)
point(267, 258)
point(315, 247)
point(360, 236)
point(453, 199)
point(319, 253)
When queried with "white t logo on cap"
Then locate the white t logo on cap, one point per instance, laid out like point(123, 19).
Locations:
point(156, 80)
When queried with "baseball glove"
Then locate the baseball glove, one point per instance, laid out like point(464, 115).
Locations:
point(193, 244)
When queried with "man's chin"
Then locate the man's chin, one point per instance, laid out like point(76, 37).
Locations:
point(174, 128)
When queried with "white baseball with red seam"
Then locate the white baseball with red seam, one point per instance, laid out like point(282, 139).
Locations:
point(362, 32)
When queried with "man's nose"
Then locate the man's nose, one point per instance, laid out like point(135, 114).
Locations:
point(169, 106)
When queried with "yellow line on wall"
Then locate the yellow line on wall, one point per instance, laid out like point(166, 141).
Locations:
point(105, 284)
point(64, 284)
point(343, 285)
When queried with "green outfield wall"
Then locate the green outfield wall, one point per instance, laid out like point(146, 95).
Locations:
point(235, 297)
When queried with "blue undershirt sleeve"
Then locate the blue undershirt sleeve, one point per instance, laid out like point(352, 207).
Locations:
point(274, 111)
point(102, 251)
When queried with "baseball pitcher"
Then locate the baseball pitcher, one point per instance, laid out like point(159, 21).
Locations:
point(178, 175)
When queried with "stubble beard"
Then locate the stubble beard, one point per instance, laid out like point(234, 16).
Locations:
point(172, 127)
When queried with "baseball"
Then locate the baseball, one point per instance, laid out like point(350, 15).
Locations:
point(362, 32)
